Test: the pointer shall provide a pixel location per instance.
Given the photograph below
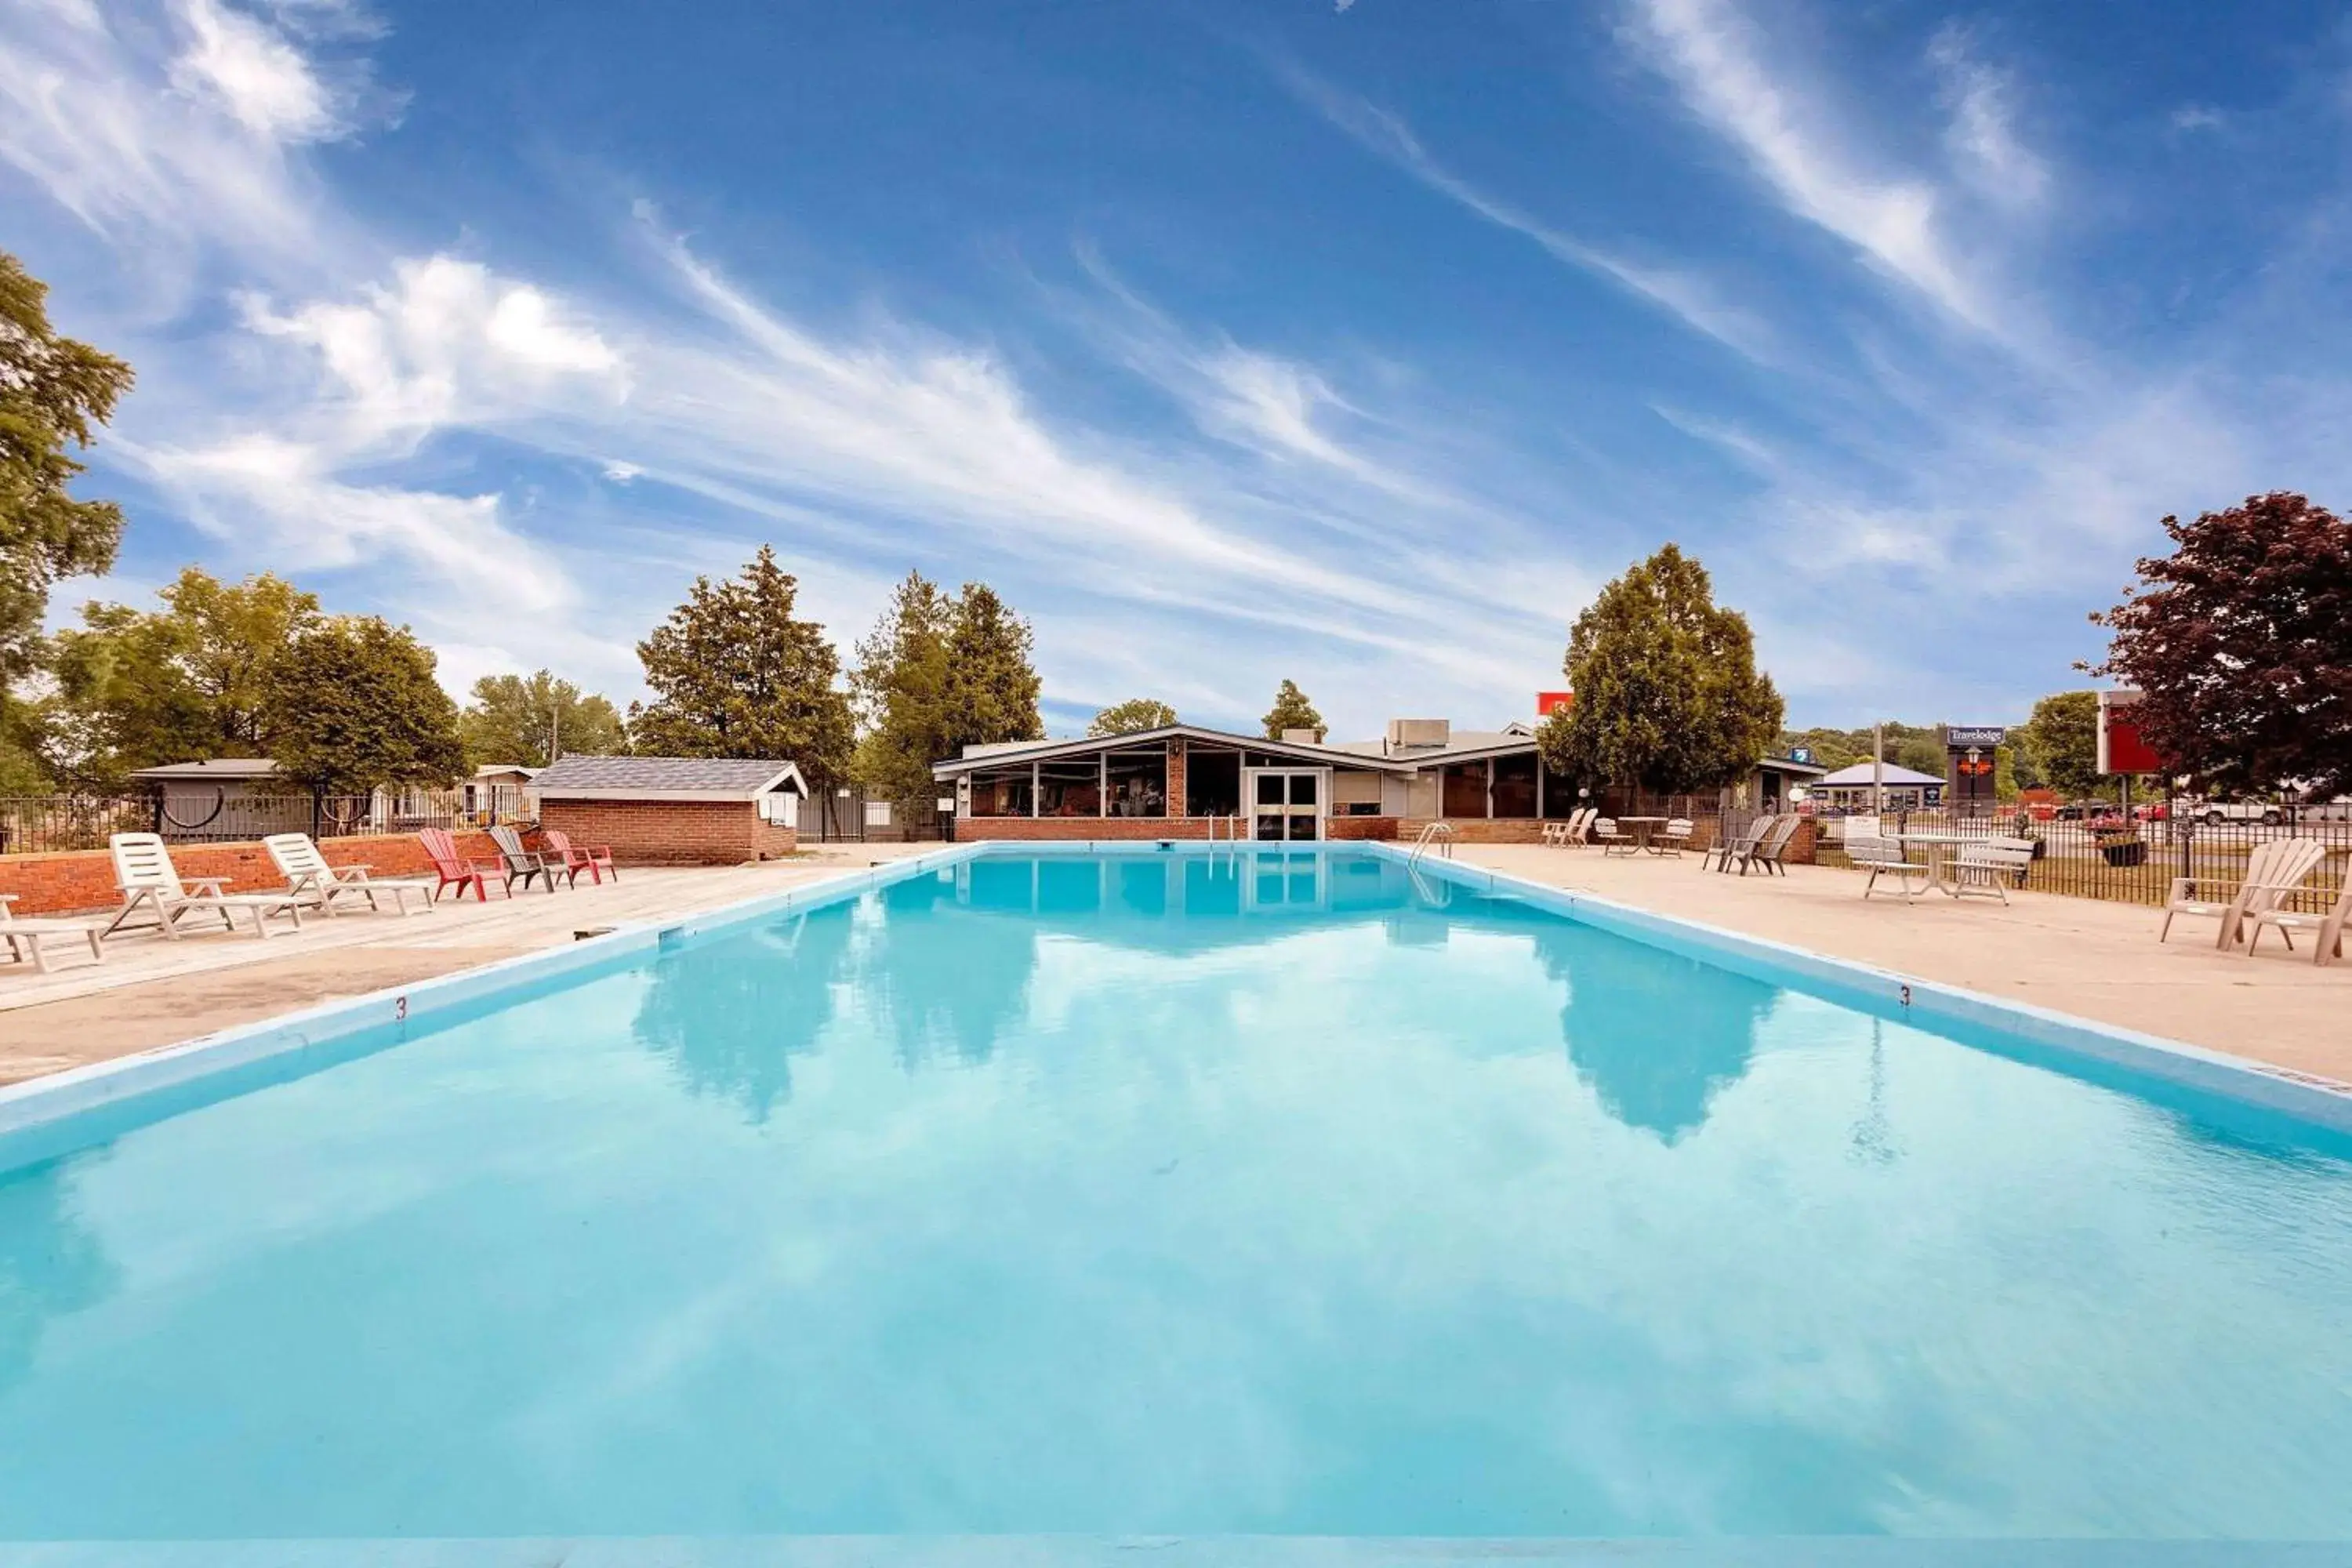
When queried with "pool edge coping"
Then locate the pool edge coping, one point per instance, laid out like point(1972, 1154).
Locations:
point(2306, 1096)
point(54, 1097)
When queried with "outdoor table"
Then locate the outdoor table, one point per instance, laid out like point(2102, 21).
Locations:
point(1643, 828)
point(1939, 847)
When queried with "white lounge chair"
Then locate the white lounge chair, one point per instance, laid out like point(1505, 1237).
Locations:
point(309, 875)
point(2329, 927)
point(2274, 869)
point(144, 870)
point(1885, 857)
point(1580, 826)
point(1986, 869)
point(1721, 854)
point(24, 937)
point(1557, 834)
point(1675, 838)
point(1613, 842)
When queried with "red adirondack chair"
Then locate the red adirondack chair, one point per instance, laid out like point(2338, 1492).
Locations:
point(453, 869)
point(594, 858)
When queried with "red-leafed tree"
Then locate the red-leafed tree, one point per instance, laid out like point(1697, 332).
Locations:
point(2241, 643)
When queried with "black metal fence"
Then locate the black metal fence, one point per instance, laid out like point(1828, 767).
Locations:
point(2123, 862)
point(34, 824)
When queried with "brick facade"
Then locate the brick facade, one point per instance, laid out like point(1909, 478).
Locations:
point(71, 880)
point(671, 832)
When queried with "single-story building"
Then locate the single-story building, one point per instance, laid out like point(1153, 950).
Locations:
point(1185, 781)
point(227, 797)
point(1900, 789)
point(501, 792)
point(675, 811)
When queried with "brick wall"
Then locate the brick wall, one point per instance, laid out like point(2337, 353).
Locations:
point(671, 832)
point(1066, 829)
point(77, 880)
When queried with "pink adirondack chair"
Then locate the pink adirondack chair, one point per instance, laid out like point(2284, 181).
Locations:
point(596, 859)
point(453, 869)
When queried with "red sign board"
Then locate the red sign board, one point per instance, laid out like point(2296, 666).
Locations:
point(2121, 750)
point(1547, 700)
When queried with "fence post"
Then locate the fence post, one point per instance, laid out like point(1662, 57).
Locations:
point(317, 814)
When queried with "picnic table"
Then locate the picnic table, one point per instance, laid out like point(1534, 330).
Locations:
point(1644, 829)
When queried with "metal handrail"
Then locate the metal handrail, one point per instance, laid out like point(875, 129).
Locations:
point(1440, 834)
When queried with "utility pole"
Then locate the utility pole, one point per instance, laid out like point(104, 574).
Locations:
point(1878, 770)
point(554, 733)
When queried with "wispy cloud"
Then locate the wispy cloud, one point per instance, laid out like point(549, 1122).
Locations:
point(1679, 293)
point(2199, 116)
point(1982, 134)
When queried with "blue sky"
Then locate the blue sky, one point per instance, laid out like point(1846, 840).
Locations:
point(1356, 343)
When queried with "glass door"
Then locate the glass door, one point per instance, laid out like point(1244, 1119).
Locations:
point(1285, 805)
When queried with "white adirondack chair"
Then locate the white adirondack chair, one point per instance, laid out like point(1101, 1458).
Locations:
point(2327, 927)
point(144, 870)
point(2273, 870)
point(308, 875)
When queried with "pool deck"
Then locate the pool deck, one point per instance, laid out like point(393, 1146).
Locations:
point(2081, 956)
point(150, 992)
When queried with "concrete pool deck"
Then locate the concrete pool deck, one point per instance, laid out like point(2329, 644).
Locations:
point(152, 992)
point(2081, 956)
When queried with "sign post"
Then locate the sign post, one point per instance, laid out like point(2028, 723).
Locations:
point(1971, 766)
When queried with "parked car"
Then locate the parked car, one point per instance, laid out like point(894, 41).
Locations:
point(2215, 813)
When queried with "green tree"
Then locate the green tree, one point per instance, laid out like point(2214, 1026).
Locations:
point(184, 682)
point(992, 686)
point(1831, 749)
point(1291, 710)
point(736, 675)
point(1134, 713)
point(2061, 741)
point(353, 704)
point(532, 719)
point(1669, 696)
point(54, 391)
point(899, 689)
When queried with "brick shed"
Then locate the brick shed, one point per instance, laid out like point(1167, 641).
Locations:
point(675, 811)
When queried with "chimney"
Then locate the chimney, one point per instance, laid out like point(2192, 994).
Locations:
point(1302, 737)
point(1417, 735)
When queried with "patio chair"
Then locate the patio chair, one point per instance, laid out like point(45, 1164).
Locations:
point(454, 870)
point(571, 859)
point(1885, 857)
point(2274, 869)
point(1555, 834)
point(2328, 927)
point(144, 873)
point(1612, 842)
point(1675, 838)
point(1986, 869)
point(1720, 854)
point(521, 864)
point(1767, 855)
point(307, 875)
point(24, 937)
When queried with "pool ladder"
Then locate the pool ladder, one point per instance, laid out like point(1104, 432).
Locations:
point(1438, 835)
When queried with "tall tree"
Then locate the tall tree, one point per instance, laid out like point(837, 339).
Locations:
point(1669, 696)
point(353, 704)
point(1134, 713)
point(899, 688)
point(532, 719)
point(54, 393)
point(2060, 743)
point(184, 682)
point(992, 686)
point(1291, 710)
point(2240, 643)
point(738, 674)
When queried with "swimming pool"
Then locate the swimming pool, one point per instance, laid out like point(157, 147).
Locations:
point(1205, 1195)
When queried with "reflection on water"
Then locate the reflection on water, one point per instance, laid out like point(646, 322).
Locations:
point(1655, 1034)
point(775, 1006)
point(953, 995)
point(49, 1263)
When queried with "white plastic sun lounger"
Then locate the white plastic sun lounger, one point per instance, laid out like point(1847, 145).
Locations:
point(144, 870)
point(309, 875)
point(2274, 871)
point(24, 937)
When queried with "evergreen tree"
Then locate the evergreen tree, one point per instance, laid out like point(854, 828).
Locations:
point(991, 691)
point(738, 676)
point(532, 719)
point(1669, 696)
point(353, 704)
point(1134, 713)
point(1291, 710)
point(899, 688)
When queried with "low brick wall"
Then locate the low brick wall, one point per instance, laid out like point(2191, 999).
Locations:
point(671, 832)
point(70, 881)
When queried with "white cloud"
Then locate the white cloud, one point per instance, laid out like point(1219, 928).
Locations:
point(1679, 294)
point(250, 70)
point(1712, 54)
point(2199, 116)
point(1983, 140)
point(620, 473)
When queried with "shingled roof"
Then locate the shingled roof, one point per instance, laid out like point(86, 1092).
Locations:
point(666, 778)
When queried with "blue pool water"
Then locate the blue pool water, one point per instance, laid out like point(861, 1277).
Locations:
point(1179, 1194)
